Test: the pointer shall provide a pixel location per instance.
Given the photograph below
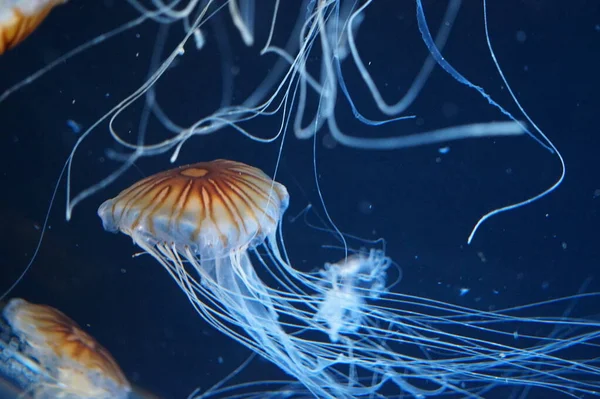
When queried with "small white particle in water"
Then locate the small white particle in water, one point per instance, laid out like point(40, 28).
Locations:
point(220, 360)
point(464, 291)
point(444, 150)
point(365, 207)
point(516, 335)
point(123, 271)
point(137, 55)
point(564, 245)
point(496, 292)
point(482, 257)
point(545, 285)
point(74, 126)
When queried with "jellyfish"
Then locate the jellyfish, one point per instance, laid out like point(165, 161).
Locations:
point(50, 356)
point(19, 18)
point(341, 331)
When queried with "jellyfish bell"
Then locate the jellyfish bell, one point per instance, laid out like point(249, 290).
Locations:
point(19, 18)
point(56, 358)
point(208, 209)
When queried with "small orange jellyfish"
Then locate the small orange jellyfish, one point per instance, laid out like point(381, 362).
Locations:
point(19, 18)
point(209, 208)
point(76, 365)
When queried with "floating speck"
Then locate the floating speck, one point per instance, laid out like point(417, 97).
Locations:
point(464, 291)
point(482, 257)
point(74, 126)
point(365, 207)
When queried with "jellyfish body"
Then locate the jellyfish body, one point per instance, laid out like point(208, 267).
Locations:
point(210, 208)
point(341, 331)
point(56, 358)
point(19, 18)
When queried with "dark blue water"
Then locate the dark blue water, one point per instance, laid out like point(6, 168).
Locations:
point(423, 201)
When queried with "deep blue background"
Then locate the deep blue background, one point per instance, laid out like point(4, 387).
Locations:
point(422, 202)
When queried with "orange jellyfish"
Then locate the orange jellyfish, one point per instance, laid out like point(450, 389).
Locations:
point(62, 360)
point(19, 18)
point(341, 331)
point(210, 209)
